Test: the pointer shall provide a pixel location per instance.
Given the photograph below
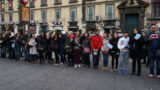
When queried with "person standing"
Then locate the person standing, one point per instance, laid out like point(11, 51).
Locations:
point(55, 47)
point(77, 49)
point(153, 41)
point(33, 49)
point(3, 46)
point(124, 53)
point(86, 49)
point(48, 49)
point(25, 39)
point(96, 43)
point(68, 49)
point(136, 44)
point(17, 46)
point(41, 47)
point(61, 47)
point(105, 50)
point(114, 52)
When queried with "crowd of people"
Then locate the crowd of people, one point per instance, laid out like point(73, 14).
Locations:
point(75, 49)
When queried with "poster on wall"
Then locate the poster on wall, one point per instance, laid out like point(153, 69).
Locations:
point(25, 16)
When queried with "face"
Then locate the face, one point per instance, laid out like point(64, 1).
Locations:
point(125, 35)
point(135, 31)
point(115, 35)
point(3, 35)
point(104, 35)
point(26, 33)
point(97, 32)
point(154, 28)
point(60, 36)
point(77, 33)
point(86, 35)
point(42, 34)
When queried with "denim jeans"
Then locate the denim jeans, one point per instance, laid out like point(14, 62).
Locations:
point(152, 60)
point(86, 59)
point(26, 54)
point(62, 55)
point(96, 59)
point(33, 57)
point(123, 60)
point(3, 51)
point(105, 60)
point(17, 53)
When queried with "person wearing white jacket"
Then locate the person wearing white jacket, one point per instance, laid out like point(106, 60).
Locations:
point(124, 53)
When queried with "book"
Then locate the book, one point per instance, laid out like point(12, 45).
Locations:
point(110, 45)
point(137, 36)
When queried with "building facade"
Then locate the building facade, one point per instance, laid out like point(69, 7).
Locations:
point(85, 15)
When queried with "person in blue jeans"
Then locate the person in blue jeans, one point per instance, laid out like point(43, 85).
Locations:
point(105, 50)
point(25, 47)
point(152, 38)
point(124, 53)
point(17, 46)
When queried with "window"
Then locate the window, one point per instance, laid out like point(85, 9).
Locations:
point(57, 2)
point(110, 12)
point(10, 2)
point(32, 15)
point(43, 2)
point(2, 2)
point(73, 14)
point(2, 17)
point(44, 15)
point(57, 14)
point(91, 13)
point(32, 3)
point(73, 1)
point(10, 17)
point(156, 10)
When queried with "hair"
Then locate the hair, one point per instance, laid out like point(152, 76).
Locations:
point(137, 30)
point(153, 25)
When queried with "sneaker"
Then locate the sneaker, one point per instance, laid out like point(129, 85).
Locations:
point(115, 70)
point(62, 63)
point(79, 65)
point(124, 71)
point(120, 71)
point(150, 76)
point(111, 70)
point(158, 76)
point(75, 66)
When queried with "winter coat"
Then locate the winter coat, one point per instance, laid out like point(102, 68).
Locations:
point(114, 42)
point(55, 44)
point(96, 42)
point(105, 48)
point(41, 43)
point(136, 47)
point(33, 48)
point(86, 44)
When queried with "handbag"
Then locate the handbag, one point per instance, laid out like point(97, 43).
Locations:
point(87, 50)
